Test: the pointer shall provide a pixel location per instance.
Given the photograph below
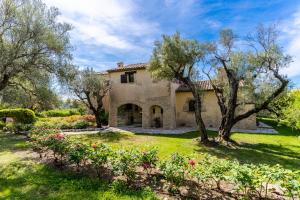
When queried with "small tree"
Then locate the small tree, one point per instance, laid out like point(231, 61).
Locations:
point(31, 40)
point(90, 88)
point(248, 74)
point(175, 59)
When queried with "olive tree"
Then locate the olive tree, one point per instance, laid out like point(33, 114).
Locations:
point(90, 87)
point(245, 71)
point(175, 58)
point(31, 40)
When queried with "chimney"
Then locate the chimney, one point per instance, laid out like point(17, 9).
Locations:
point(120, 64)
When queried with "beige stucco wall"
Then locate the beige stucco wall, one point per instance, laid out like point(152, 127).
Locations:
point(145, 93)
point(210, 112)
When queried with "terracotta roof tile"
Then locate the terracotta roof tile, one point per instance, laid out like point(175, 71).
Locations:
point(129, 67)
point(204, 85)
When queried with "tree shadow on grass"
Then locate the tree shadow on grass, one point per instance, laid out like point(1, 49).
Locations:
point(258, 154)
point(188, 135)
point(12, 142)
point(25, 180)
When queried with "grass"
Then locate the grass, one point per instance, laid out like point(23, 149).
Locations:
point(283, 149)
point(22, 177)
point(25, 178)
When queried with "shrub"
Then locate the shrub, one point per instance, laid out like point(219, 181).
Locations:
point(125, 163)
point(291, 184)
point(244, 177)
point(149, 159)
point(217, 169)
point(104, 117)
point(2, 124)
point(81, 125)
point(59, 146)
point(78, 153)
point(59, 113)
point(174, 170)
point(37, 132)
point(21, 115)
point(99, 157)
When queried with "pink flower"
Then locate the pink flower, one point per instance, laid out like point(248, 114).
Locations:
point(192, 162)
point(60, 136)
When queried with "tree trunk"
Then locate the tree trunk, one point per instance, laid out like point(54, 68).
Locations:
point(199, 121)
point(98, 119)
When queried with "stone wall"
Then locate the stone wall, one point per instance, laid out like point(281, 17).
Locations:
point(145, 93)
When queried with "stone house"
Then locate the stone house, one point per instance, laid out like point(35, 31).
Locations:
point(135, 99)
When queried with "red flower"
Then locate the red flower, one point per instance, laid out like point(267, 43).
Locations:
point(94, 146)
point(60, 136)
point(192, 162)
point(146, 165)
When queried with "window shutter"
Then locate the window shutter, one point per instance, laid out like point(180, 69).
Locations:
point(123, 78)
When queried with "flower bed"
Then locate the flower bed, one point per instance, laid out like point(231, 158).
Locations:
point(134, 167)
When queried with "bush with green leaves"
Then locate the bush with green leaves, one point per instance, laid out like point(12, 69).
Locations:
point(245, 179)
point(78, 153)
point(59, 145)
point(2, 125)
point(149, 159)
point(174, 170)
point(252, 181)
point(99, 157)
point(291, 184)
point(21, 115)
point(217, 169)
point(81, 125)
point(59, 113)
point(125, 163)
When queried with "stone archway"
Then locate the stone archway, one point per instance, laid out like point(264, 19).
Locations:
point(156, 116)
point(129, 115)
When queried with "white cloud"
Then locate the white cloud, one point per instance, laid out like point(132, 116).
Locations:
point(108, 23)
point(292, 36)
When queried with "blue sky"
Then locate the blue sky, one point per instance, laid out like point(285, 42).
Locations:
point(108, 31)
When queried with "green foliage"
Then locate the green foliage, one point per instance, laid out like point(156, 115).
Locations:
point(89, 87)
point(71, 122)
point(78, 153)
point(31, 40)
point(21, 115)
point(244, 178)
point(2, 125)
point(149, 159)
point(175, 57)
point(59, 113)
point(125, 162)
point(291, 183)
point(174, 170)
point(81, 125)
point(99, 156)
point(252, 181)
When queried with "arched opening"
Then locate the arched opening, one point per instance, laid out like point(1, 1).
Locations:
point(130, 115)
point(156, 116)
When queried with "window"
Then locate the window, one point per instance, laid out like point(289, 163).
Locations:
point(123, 78)
point(153, 110)
point(128, 77)
point(192, 105)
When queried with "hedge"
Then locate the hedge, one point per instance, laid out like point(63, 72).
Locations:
point(21, 115)
point(59, 113)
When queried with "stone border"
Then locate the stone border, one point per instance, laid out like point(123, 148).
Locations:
point(162, 131)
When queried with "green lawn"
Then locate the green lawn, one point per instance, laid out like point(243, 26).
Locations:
point(21, 177)
point(283, 149)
